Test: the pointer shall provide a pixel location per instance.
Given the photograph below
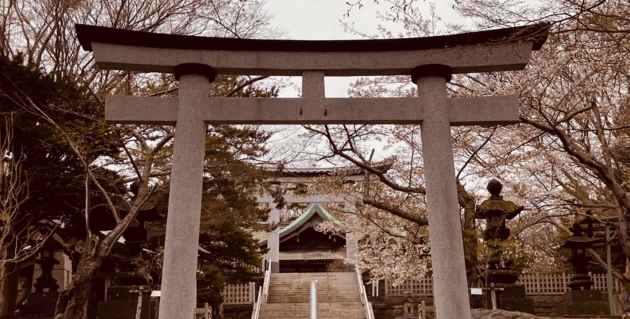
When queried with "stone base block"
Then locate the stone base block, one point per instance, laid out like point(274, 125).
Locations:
point(583, 302)
point(119, 309)
point(518, 304)
point(237, 311)
point(514, 291)
point(39, 304)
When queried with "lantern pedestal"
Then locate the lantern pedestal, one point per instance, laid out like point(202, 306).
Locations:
point(39, 305)
point(583, 302)
point(513, 299)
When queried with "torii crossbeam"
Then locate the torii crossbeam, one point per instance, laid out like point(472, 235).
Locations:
point(196, 60)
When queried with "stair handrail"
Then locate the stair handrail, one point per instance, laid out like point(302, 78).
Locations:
point(313, 303)
point(369, 313)
point(263, 293)
point(266, 283)
point(256, 312)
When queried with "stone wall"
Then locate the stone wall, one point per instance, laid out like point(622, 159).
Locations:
point(391, 306)
point(546, 304)
point(238, 311)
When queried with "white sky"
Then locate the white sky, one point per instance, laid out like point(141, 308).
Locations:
point(320, 20)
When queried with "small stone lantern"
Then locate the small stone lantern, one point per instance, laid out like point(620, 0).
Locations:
point(579, 243)
point(581, 300)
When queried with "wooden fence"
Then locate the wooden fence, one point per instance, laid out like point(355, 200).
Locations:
point(557, 284)
point(422, 287)
point(535, 284)
point(239, 294)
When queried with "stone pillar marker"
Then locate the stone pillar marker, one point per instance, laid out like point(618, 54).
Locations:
point(179, 283)
point(273, 242)
point(450, 287)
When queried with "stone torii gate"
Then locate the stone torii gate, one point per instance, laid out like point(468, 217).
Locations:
point(196, 60)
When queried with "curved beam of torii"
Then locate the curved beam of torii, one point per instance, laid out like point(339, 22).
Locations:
point(196, 60)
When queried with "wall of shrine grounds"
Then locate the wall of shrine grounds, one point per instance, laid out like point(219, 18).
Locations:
point(387, 301)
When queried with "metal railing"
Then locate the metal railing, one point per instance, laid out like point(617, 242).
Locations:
point(263, 292)
point(266, 284)
point(369, 313)
point(256, 312)
point(313, 303)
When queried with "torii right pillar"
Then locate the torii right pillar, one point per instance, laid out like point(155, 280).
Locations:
point(447, 250)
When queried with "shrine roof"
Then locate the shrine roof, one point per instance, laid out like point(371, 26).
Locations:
point(121, 241)
point(88, 34)
point(312, 210)
point(321, 171)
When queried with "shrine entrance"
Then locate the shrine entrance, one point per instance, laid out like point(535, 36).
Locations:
point(302, 248)
point(195, 61)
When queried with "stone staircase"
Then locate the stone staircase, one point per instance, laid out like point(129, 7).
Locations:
point(338, 296)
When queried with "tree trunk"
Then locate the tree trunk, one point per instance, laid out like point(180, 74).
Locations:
point(73, 300)
point(471, 241)
point(8, 289)
point(26, 276)
point(467, 202)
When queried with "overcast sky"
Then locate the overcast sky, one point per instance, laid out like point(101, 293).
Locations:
point(320, 20)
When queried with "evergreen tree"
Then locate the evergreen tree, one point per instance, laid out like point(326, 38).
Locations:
point(53, 175)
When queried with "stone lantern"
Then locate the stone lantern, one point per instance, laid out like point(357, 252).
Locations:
point(500, 275)
point(581, 300)
point(42, 303)
point(497, 210)
point(578, 243)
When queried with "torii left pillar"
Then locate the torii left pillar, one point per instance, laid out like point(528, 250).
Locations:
point(179, 287)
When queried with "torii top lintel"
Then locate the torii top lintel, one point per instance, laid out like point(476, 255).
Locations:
point(485, 51)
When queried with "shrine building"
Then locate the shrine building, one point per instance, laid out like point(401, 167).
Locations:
point(302, 247)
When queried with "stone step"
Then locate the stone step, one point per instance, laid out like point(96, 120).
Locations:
point(302, 310)
point(289, 294)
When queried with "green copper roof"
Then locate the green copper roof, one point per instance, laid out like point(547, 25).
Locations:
point(312, 210)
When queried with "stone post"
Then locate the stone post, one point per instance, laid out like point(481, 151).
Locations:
point(447, 251)
point(179, 280)
point(273, 242)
